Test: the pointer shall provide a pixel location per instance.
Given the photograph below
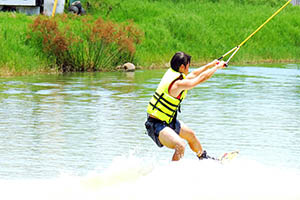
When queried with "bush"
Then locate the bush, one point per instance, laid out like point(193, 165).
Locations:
point(85, 44)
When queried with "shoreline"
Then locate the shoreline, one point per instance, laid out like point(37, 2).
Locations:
point(6, 72)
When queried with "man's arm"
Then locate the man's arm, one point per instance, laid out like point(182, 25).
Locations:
point(200, 70)
point(187, 84)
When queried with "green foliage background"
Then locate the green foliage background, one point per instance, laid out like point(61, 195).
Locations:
point(206, 29)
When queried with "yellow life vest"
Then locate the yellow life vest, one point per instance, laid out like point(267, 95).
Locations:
point(162, 105)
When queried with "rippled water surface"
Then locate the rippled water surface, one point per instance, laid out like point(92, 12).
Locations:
point(83, 123)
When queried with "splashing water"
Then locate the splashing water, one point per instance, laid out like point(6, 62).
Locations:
point(135, 178)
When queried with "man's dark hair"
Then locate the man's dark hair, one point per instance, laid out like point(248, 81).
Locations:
point(178, 59)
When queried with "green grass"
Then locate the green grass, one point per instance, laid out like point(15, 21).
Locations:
point(16, 55)
point(206, 29)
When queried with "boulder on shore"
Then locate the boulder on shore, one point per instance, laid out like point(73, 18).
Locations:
point(128, 67)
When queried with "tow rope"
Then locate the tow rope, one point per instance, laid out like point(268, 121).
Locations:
point(237, 48)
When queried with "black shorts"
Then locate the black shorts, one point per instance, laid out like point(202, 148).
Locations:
point(154, 126)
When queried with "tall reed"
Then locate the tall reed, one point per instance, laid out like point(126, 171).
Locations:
point(85, 44)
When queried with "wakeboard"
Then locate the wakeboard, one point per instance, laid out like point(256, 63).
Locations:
point(226, 157)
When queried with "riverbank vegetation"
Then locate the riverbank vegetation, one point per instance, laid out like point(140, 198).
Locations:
point(206, 29)
point(85, 44)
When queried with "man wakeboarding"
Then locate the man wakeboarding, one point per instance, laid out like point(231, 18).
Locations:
point(162, 124)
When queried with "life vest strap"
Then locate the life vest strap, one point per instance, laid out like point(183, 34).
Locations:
point(160, 98)
point(160, 110)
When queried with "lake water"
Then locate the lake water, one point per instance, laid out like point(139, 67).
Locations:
point(82, 136)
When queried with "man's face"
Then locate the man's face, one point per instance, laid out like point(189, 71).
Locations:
point(184, 69)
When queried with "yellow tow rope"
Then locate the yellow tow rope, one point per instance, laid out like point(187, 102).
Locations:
point(235, 49)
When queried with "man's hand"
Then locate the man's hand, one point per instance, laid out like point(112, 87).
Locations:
point(215, 62)
point(221, 64)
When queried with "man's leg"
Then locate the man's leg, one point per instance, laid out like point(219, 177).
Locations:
point(169, 138)
point(189, 135)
